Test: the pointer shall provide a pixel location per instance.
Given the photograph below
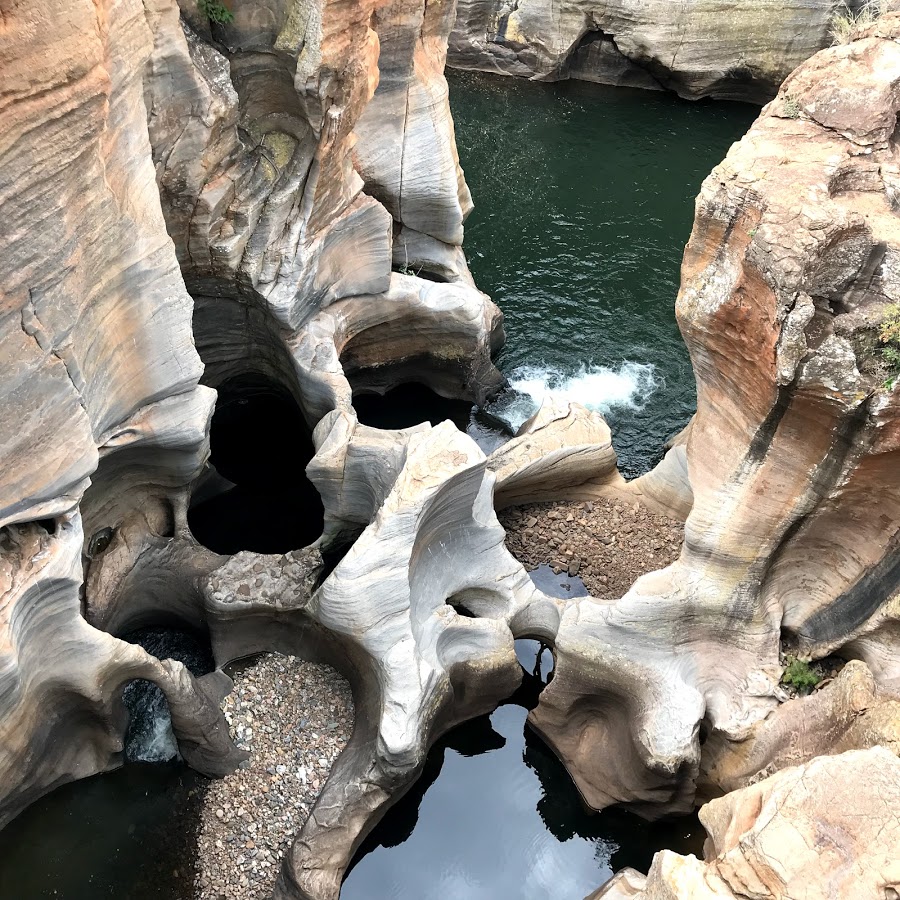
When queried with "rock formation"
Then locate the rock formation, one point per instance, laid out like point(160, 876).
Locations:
point(826, 829)
point(146, 152)
point(793, 454)
point(697, 49)
point(294, 173)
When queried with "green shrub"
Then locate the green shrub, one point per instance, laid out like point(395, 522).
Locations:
point(800, 675)
point(889, 335)
point(215, 11)
point(846, 24)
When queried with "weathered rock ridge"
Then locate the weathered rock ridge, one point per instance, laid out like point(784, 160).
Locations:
point(825, 829)
point(289, 171)
point(739, 51)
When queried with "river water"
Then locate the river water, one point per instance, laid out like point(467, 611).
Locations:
point(584, 200)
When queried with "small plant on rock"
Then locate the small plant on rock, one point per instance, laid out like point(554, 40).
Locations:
point(799, 674)
point(791, 106)
point(846, 23)
point(215, 11)
point(889, 335)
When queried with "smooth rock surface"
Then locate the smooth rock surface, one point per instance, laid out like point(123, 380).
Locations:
point(825, 829)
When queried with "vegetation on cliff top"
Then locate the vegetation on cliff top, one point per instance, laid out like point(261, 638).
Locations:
point(215, 11)
point(846, 23)
point(889, 336)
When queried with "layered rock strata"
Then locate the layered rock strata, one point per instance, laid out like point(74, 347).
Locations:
point(288, 198)
point(147, 151)
point(697, 49)
point(825, 829)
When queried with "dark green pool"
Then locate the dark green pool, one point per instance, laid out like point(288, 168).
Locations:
point(584, 198)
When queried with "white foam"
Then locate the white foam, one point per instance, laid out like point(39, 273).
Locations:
point(597, 387)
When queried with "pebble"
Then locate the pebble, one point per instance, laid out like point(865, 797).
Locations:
point(302, 715)
point(607, 543)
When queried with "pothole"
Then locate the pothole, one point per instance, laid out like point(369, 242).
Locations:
point(407, 405)
point(260, 499)
point(294, 717)
point(495, 814)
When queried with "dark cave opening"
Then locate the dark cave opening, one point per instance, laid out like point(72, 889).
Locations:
point(407, 405)
point(260, 445)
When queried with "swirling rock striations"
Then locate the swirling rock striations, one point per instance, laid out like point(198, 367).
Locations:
point(263, 165)
point(99, 384)
point(144, 154)
point(793, 455)
point(740, 51)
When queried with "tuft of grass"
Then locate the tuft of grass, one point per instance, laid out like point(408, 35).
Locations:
point(791, 106)
point(847, 23)
point(800, 675)
point(215, 11)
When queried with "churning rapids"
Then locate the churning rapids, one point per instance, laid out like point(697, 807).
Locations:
point(583, 205)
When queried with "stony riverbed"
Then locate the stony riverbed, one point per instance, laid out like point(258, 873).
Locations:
point(607, 543)
point(294, 717)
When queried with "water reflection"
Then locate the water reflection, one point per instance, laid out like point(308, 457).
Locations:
point(481, 825)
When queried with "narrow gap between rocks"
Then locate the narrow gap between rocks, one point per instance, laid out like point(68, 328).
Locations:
point(149, 737)
point(494, 807)
point(256, 496)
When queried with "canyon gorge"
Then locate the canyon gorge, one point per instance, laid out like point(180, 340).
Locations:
point(208, 209)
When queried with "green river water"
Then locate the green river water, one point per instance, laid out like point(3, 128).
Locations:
point(584, 198)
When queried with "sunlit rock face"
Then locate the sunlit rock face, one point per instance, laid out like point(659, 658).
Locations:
point(149, 159)
point(697, 49)
point(99, 381)
point(825, 829)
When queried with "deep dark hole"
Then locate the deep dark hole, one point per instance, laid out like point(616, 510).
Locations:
point(408, 405)
point(259, 440)
point(492, 800)
point(49, 525)
point(424, 274)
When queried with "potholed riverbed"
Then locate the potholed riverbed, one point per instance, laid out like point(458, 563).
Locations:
point(584, 200)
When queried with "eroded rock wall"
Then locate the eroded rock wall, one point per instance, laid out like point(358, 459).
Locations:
point(793, 462)
point(160, 173)
point(740, 51)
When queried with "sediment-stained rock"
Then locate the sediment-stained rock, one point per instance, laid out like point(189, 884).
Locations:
point(291, 188)
point(145, 152)
point(61, 679)
point(696, 49)
point(100, 381)
point(825, 829)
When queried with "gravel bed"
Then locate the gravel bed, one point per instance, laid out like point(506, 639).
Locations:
point(294, 717)
point(607, 543)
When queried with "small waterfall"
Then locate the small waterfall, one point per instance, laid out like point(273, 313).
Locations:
point(150, 737)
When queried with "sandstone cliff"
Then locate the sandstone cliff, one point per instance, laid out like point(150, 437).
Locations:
point(740, 51)
point(293, 172)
